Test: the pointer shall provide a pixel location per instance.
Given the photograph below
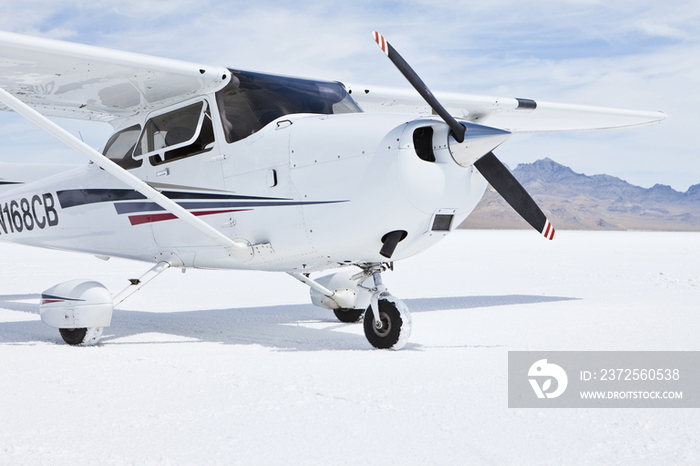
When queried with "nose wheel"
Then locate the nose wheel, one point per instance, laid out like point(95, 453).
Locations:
point(393, 327)
point(387, 322)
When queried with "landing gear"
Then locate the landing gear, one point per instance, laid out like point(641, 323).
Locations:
point(347, 295)
point(81, 336)
point(80, 309)
point(348, 316)
point(387, 322)
point(392, 328)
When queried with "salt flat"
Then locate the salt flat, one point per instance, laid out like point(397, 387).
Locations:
point(220, 367)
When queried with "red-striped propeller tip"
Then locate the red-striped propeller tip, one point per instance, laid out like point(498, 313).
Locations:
point(381, 42)
point(548, 231)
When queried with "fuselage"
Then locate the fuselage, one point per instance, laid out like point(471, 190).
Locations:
point(312, 191)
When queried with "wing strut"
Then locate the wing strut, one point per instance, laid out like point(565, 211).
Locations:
point(238, 249)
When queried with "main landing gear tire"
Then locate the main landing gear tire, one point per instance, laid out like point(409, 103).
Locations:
point(396, 324)
point(348, 316)
point(81, 336)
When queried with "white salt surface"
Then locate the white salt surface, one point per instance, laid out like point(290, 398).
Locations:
point(217, 367)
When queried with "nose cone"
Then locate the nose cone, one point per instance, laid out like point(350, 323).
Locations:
point(478, 141)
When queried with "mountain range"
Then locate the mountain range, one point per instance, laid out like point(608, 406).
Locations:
point(574, 201)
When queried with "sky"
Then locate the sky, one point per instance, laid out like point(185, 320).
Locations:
point(637, 55)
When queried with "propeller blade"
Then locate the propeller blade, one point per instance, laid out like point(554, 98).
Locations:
point(513, 192)
point(457, 129)
point(488, 165)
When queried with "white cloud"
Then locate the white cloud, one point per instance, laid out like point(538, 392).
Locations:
point(637, 54)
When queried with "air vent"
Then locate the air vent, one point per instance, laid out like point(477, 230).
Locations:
point(442, 222)
point(423, 142)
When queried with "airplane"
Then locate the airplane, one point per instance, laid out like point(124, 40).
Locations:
point(220, 168)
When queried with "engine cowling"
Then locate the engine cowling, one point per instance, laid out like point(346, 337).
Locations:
point(77, 304)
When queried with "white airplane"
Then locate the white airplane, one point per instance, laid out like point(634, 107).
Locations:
point(221, 168)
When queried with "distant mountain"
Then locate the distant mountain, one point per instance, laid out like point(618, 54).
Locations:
point(600, 202)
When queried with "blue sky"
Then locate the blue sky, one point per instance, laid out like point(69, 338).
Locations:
point(641, 55)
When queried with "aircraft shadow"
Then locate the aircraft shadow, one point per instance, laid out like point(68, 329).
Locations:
point(285, 328)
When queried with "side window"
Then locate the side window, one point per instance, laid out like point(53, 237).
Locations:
point(178, 134)
point(120, 147)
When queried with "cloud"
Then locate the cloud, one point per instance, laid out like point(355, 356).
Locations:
point(637, 54)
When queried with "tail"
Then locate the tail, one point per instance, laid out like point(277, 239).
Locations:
point(14, 175)
point(6, 181)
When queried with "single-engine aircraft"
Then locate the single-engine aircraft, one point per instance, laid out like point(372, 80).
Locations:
point(222, 168)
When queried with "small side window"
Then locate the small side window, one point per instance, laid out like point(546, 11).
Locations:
point(178, 134)
point(120, 147)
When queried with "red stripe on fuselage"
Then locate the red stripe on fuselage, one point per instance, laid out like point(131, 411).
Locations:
point(151, 218)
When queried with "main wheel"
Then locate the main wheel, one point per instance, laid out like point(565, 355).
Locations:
point(81, 336)
point(348, 315)
point(396, 324)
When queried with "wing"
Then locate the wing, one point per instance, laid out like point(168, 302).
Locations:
point(514, 115)
point(91, 83)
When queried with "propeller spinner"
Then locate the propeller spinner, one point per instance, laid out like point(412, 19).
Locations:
point(472, 144)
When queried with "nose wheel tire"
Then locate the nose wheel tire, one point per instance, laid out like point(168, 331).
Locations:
point(81, 336)
point(395, 324)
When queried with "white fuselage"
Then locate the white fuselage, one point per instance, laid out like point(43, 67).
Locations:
point(318, 191)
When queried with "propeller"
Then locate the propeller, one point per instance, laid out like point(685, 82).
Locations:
point(500, 178)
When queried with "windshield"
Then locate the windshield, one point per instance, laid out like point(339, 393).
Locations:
point(120, 146)
point(252, 100)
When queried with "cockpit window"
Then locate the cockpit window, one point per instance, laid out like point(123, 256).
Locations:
point(252, 100)
point(121, 145)
point(178, 134)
